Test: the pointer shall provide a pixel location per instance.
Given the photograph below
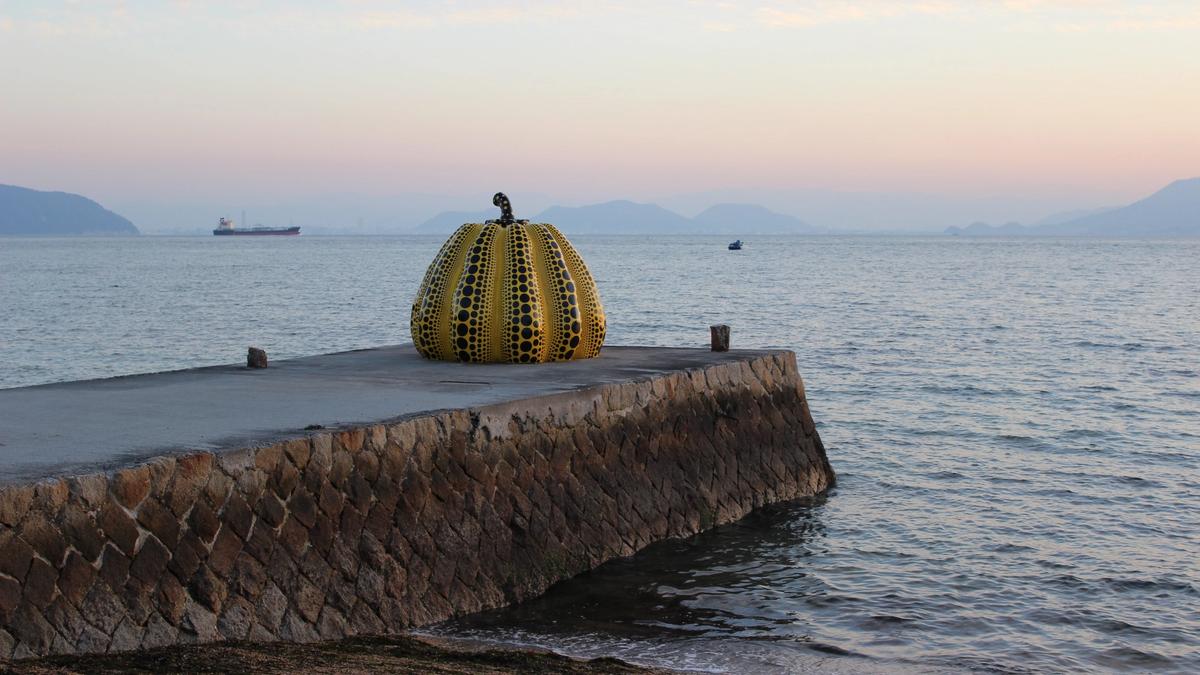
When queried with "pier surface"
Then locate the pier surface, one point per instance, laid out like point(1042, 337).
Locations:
point(59, 429)
point(367, 492)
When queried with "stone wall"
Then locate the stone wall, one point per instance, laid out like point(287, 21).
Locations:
point(382, 527)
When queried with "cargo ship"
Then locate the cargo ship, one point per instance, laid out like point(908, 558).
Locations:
point(225, 227)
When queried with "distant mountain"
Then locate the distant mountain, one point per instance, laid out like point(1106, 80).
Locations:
point(626, 217)
point(979, 229)
point(1065, 216)
point(1172, 211)
point(616, 217)
point(449, 221)
point(31, 212)
point(880, 212)
point(749, 219)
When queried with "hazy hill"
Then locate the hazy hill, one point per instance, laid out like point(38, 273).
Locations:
point(979, 229)
point(449, 221)
point(1172, 211)
point(892, 212)
point(749, 219)
point(1065, 216)
point(32, 212)
point(626, 217)
point(617, 217)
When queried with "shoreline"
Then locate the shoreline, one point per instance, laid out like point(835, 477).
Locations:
point(404, 653)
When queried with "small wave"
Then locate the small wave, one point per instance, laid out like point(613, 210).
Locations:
point(1009, 548)
point(1138, 481)
point(880, 620)
point(829, 649)
point(1014, 437)
point(1144, 585)
point(1084, 433)
point(963, 390)
point(1127, 657)
point(1069, 581)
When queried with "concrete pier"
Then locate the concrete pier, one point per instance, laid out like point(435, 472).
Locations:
point(369, 491)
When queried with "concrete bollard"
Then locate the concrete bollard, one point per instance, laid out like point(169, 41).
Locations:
point(720, 337)
point(256, 358)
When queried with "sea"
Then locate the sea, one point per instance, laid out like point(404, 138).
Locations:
point(1015, 425)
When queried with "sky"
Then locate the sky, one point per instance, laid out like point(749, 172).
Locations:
point(1072, 102)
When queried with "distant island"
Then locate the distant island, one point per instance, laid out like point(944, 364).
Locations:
point(627, 217)
point(28, 212)
point(1173, 211)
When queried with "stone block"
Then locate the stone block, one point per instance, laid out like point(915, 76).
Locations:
point(158, 633)
point(331, 625)
point(236, 619)
point(10, 597)
point(101, 609)
point(150, 562)
point(15, 555)
point(189, 552)
point(127, 637)
point(118, 526)
point(15, 501)
point(40, 583)
point(248, 576)
point(203, 522)
point(256, 358)
point(284, 479)
point(130, 486)
point(199, 625)
point(114, 568)
point(293, 536)
point(224, 551)
point(160, 521)
point(208, 589)
point(238, 516)
point(80, 529)
point(299, 451)
point(172, 599)
point(294, 629)
point(191, 478)
point(261, 543)
point(50, 495)
point(88, 490)
point(270, 607)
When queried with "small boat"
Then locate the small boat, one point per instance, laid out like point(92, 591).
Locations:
point(736, 246)
point(225, 228)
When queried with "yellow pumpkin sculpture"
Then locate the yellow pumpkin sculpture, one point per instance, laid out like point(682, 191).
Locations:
point(507, 291)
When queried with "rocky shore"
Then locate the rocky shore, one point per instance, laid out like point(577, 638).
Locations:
point(365, 655)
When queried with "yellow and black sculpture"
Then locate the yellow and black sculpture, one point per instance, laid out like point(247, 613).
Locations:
point(507, 291)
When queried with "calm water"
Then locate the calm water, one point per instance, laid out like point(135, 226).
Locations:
point(1015, 425)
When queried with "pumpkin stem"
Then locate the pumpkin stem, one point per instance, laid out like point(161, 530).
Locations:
point(506, 214)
